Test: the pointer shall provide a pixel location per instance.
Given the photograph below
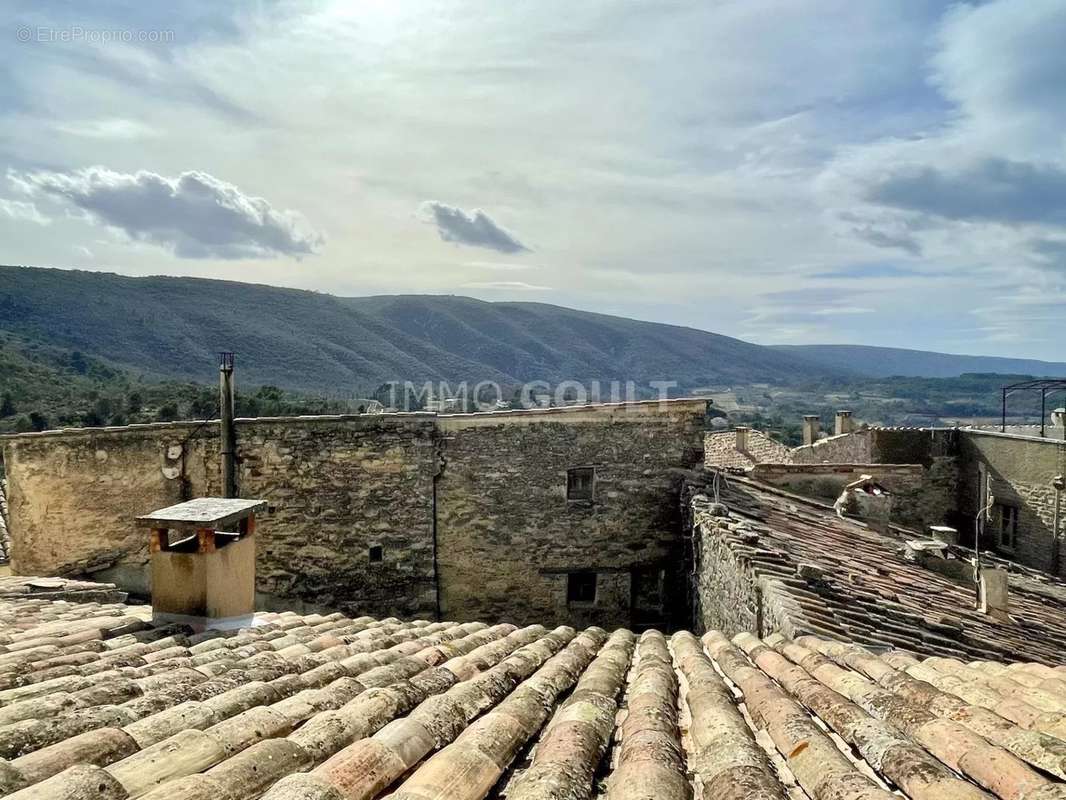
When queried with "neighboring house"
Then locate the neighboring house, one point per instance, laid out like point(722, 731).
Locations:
point(772, 561)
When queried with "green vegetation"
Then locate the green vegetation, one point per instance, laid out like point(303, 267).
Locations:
point(311, 342)
point(45, 387)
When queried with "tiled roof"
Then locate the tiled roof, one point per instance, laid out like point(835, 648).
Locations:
point(720, 450)
point(97, 702)
point(838, 578)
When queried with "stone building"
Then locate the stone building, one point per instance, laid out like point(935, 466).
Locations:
point(1022, 466)
point(1024, 474)
point(576, 509)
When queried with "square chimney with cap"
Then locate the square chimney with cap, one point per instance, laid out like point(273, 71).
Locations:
point(844, 423)
point(203, 561)
point(812, 426)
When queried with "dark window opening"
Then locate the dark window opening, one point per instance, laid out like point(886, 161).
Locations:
point(377, 554)
point(580, 482)
point(581, 587)
point(1005, 522)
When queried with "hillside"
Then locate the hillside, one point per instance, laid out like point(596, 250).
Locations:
point(47, 387)
point(165, 327)
point(884, 362)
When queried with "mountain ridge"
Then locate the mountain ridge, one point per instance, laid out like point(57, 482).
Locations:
point(172, 328)
point(885, 362)
point(311, 341)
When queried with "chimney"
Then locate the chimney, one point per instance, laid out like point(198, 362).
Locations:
point(203, 562)
point(227, 433)
point(1058, 418)
point(844, 423)
point(742, 438)
point(868, 500)
point(812, 425)
point(993, 593)
point(944, 534)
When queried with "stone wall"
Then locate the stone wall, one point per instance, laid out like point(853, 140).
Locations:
point(73, 496)
point(923, 496)
point(502, 501)
point(336, 486)
point(727, 595)
point(826, 481)
point(1021, 469)
point(470, 507)
point(847, 448)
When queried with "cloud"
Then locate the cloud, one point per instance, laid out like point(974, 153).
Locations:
point(22, 211)
point(195, 214)
point(474, 228)
point(988, 190)
point(861, 271)
point(879, 237)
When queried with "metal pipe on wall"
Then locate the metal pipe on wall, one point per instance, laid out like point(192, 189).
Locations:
point(227, 431)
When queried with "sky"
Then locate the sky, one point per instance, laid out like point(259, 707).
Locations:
point(786, 171)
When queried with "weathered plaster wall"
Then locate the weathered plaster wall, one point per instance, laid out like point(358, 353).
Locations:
point(502, 502)
point(1021, 469)
point(335, 486)
point(72, 498)
point(505, 535)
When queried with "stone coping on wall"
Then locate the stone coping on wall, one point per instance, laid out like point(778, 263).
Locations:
point(642, 407)
point(1022, 436)
point(831, 468)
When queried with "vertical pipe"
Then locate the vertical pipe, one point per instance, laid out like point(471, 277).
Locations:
point(1056, 539)
point(1043, 411)
point(227, 432)
point(1003, 420)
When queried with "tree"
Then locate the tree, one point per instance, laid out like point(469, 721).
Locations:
point(38, 421)
point(7, 406)
point(168, 412)
point(134, 403)
point(78, 362)
point(92, 419)
point(23, 424)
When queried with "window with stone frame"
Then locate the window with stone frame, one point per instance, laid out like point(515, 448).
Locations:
point(1005, 520)
point(580, 483)
point(581, 587)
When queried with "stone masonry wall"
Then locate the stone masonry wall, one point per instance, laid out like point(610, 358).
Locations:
point(497, 518)
point(1021, 469)
point(508, 537)
point(923, 496)
point(847, 448)
point(336, 486)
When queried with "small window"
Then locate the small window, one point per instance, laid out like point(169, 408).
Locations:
point(1005, 520)
point(580, 483)
point(377, 553)
point(581, 587)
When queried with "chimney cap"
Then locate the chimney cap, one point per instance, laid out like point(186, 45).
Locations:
point(215, 513)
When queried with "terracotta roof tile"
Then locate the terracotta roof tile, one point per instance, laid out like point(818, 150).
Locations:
point(365, 708)
point(866, 590)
